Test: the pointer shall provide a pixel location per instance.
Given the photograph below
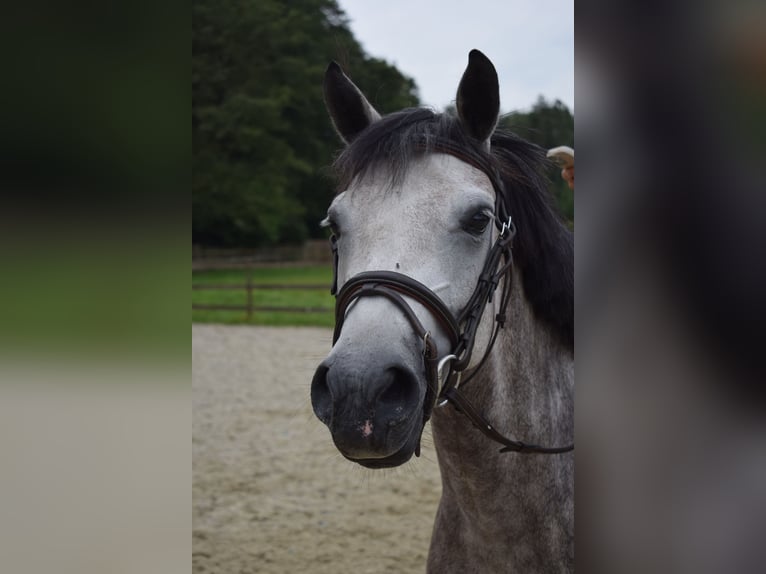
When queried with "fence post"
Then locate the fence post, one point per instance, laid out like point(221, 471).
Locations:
point(249, 287)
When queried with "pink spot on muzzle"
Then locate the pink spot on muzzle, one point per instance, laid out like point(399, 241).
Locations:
point(367, 428)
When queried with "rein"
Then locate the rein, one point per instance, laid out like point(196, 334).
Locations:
point(392, 285)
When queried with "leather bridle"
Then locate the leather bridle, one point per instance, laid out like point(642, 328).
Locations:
point(394, 286)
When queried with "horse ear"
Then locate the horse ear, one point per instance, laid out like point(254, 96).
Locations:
point(349, 109)
point(478, 97)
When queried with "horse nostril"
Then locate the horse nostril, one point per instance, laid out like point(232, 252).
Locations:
point(401, 390)
point(321, 397)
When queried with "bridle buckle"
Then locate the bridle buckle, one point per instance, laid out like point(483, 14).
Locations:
point(442, 379)
point(507, 226)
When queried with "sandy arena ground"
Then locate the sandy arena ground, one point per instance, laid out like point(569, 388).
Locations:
point(271, 493)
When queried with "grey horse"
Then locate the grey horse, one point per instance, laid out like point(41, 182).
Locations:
point(419, 228)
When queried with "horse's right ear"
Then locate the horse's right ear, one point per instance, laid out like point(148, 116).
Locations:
point(349, 109)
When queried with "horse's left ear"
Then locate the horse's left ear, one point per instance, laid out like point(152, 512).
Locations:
point(478, 97)
point(349, 109)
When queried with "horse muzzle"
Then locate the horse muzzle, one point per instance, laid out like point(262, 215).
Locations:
point(373, 407)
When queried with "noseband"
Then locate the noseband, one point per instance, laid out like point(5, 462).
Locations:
point(395, 286)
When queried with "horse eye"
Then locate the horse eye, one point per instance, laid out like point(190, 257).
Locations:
point(477, 223)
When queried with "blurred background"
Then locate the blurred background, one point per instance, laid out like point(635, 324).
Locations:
point(670, 283)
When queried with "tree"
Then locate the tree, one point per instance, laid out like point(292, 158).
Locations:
point(261, 137)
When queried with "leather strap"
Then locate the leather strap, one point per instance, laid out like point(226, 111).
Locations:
point(334, 247)
point(463, 406)
point(396, 283)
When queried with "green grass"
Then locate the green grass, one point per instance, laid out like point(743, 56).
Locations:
point(314, 275)
point(80, 299)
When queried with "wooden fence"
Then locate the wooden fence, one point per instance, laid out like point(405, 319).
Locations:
point(312, 252)
point(249, 287)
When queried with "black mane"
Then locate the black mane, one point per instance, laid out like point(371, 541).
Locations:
point(543, 247)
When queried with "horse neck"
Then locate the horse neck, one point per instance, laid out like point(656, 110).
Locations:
point(529, 384)
point(526, 391)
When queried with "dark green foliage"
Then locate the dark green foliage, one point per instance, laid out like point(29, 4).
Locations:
point(548, 125)
point(261, 135)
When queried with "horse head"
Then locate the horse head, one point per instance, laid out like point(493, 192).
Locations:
point(426, 217)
